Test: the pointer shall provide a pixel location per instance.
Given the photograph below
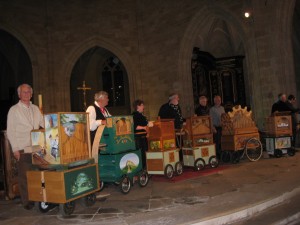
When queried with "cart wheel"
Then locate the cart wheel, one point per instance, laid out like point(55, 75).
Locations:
point(44, 207)
point(242, 153)
point(213, 162)
point(277, 153)
point(143, 178)
point(253, 149)
point(125, 185)
point(89, 200)
point(169, 171)
point(234, 157)
point(178, 168)
point(199, 164)
point(101, 184)
point(67, 209)
point(291, 152)
point(225, 156)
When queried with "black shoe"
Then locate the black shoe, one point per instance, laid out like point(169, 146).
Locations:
point(29, 205)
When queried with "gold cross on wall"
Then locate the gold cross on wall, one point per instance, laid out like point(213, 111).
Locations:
point(84, 89)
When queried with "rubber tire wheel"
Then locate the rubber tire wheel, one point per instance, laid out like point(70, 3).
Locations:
point(213, 161)
point(257, 149)
point(125, 185)
point(169, 171)
point(291, 152)
point(89, 200)
point(101, 185)
point(242, 153)
point(277, 153)
point(199, 164)
point(234, 157)
point(67, 209)
point(143, 178)
point(44, 207)
point(225, 157)
point(178, 168)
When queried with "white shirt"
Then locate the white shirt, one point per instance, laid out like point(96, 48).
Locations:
point(92, 116)
point(21, 120)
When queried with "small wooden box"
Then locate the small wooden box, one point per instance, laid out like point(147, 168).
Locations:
point(197, 125)
point(279, 125)
point(162, 129)
point(66, 138)
point(236, 142)
point(62, 186)
point(157, 161)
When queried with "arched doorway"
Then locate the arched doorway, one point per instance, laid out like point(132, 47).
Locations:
point(218, 76)
point(15, 69)
point(100, 69)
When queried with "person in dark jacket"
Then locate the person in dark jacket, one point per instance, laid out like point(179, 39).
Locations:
point(294, 111)
point(172, 110)
point(140, 128)
point(280, 105)
point(202, 109)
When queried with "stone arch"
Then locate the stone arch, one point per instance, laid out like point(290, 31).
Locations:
point(31, 53)
point(193, 29)
point(108, 45)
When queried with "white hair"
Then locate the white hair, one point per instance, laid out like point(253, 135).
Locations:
point(24, 85)
point(100, 94)
point(172, 96)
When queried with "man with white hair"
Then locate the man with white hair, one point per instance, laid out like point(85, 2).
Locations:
point(172, 110)
point(281, 104)
point(98, 112)
point(215, 113)
point(22, 118)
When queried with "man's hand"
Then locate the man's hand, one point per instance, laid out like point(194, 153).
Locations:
point(214, 130)
point(17, 155)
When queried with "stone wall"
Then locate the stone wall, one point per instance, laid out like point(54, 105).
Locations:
point(154, 40)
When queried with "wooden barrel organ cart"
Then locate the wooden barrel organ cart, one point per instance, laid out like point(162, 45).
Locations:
point(279, 134)
point(65, 170)
point(198, 148)
point(240, 136)
point(119, 160)
point(8, 168)
point(162, 156)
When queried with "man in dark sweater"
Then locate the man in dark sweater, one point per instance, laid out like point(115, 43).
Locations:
point(294, 111)
point(280, 105)
point(172, 110)
point(202, 109)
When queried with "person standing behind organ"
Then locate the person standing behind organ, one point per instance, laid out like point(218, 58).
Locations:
point(291, 102)
point(22, 118)
point(98, 112)
point(215, 113)
point(140, 128)
point(280, 105)
point(202, 109)
point(172, 110)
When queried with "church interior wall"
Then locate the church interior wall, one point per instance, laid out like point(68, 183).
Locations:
point(154, 40)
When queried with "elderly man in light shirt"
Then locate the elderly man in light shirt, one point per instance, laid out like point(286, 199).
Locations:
point(98, 112)
point(22, 118)
point(215, 113)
